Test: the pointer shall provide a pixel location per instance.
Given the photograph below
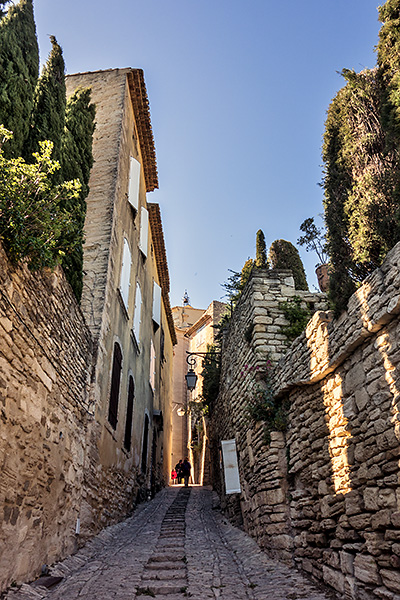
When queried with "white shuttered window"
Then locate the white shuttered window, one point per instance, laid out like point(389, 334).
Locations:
point(144, 230)
point(156, 303)
point(152, 366)
point(134, 183)
point(125, 273)
point(137, 319)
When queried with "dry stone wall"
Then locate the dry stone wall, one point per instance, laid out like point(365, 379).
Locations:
point(45, 364)
point(325, 494)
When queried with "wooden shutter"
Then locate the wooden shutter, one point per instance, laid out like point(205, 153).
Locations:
point(156, 303)
point(134, 183)
point(152, 366)
point(125, 274)
point(138, 310)
point(144, 230)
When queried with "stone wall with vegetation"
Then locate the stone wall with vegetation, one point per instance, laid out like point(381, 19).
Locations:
point(45, 365)
point(254, 336)
point(325, 492)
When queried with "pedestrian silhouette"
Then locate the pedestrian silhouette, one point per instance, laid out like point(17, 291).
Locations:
point(186, 467)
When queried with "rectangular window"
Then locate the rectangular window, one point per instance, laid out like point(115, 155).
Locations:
point(115, 384)
point(129, 414)
point(134, 183)
point(144, 230)
point(156, 303)
point(138, 313)
point(125, 274)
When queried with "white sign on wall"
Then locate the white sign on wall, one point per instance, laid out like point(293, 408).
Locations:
point(231, 469)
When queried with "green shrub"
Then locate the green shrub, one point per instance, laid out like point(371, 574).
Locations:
point(33, 225)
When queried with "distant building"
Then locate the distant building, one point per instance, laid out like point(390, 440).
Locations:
point(195, 331)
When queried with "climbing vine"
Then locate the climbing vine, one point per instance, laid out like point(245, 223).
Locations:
point(297, 316)
point(262, 405)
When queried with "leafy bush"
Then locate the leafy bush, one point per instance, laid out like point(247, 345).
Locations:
point(33, 224)
point(262, 405)
point(297, 316)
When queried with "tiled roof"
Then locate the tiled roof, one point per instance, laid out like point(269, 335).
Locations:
point(161, 262)
point(140, 101)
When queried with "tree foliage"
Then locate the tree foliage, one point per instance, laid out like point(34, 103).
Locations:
point(261, 251)
point(283, 255)
point(211, 376)
point(361, 154)
point(19, 69)
point(76, 163)
point(34, 226)
point(314, 239)
point(48, 115)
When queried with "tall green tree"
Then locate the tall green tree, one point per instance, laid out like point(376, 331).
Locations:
point(76, 163)
point(283, 255)
point(361, 154)
point(19, 70)
point(261, 250)
point(48, 115)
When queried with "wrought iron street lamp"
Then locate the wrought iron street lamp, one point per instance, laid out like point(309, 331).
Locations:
point(191, 377)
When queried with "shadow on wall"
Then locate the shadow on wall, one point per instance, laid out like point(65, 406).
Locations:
point(343, 441)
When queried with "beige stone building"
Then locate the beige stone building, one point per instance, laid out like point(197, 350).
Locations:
point(195, 331)
point(125, 300)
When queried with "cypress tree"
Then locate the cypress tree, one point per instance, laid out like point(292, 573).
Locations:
point(283, 255)
point(19, 70)
point(48, 115)
point(261, 251)
point(361, 156)
point(76, 163)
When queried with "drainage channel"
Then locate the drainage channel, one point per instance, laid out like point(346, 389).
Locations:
point(165, 573)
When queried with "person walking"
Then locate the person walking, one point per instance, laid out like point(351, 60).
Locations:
point(186, 468)
point(173, 476)
point(178, 469)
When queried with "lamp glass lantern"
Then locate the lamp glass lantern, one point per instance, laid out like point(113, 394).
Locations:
point(191, 380)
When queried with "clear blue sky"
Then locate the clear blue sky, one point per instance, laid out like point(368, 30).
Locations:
point(238, 94)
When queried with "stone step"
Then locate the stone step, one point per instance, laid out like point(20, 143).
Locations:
point(164, 575)
point(163, 566)
point(171, 587)
point(166, 557)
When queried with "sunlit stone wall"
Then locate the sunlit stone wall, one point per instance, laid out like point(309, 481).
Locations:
point(328, 489)
point(45, 366)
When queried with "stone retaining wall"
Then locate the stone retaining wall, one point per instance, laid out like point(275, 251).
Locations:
point(45, 365)
point(326, 493)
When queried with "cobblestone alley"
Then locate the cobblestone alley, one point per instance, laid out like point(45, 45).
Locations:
point(173, 547)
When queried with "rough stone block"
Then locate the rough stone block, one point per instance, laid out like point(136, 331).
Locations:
point(366, 569)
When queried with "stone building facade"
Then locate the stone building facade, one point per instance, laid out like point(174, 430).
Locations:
point(125, 301)
point(195, 332)
point(323, 495)
point(184, 317)
point(86, 391)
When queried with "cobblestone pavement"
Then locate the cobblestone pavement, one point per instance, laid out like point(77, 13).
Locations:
point(174, 547)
